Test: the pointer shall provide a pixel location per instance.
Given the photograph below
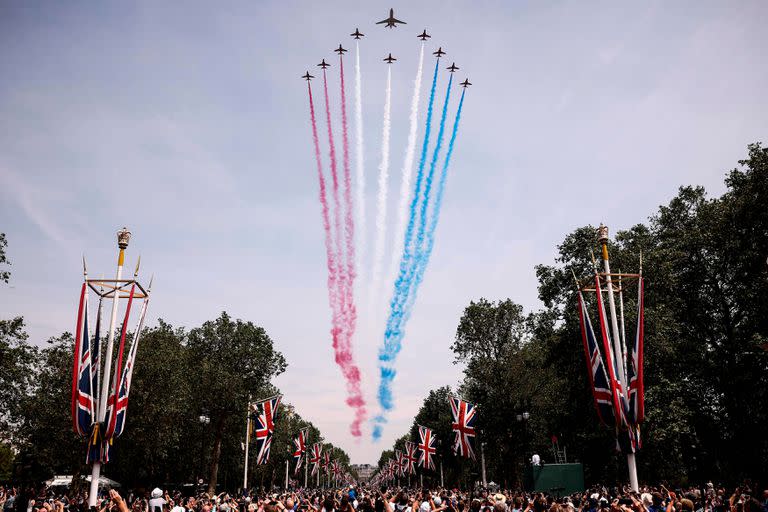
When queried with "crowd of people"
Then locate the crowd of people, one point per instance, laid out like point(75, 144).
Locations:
point(384, 499)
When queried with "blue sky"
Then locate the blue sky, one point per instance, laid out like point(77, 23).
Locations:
point(187, 122)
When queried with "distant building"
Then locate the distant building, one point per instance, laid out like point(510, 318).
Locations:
point(364, 471)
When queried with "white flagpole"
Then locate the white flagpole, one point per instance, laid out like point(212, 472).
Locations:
point(286, 475)
point(306, 469)
point(123, 237)
point(247, 442)
point(618, 360)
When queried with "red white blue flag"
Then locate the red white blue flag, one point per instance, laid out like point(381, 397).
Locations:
point(636, 413)
point(464, 416)
point(598, 379)
point(83, 398)
point(265, 417)
point(299, 447)
point(317, 456)
point(120, 412)
point(410, 457)
point(427, 448)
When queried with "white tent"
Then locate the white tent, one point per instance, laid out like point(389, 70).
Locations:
point(66, 480)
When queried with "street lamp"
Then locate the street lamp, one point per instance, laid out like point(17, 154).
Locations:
point(204, 420)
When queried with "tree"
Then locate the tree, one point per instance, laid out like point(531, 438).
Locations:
point(17, 358)
point(234, 361)
point(5, 275)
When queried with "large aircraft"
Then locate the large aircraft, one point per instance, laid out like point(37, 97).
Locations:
point(357, 34)
point(453, 67)
point(307, 77)
point(390, 59)
point(466, 83)
point(423, 36)
point(323, 64)
point(391, 22)
point(340, 50)
point(439, 52)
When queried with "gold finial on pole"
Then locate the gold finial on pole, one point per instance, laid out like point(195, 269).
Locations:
point(123, 237)
point(138, 264)
point(602, 237)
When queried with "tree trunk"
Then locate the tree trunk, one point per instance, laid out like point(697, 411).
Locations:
point(215, 455)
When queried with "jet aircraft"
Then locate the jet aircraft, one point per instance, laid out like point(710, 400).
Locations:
point(453, 67)
point(423, 36)
point(439, 52)
point(307, 77)
point(391, 22)
point(340, 50)
point(357, 34)
point(390, 59)
point(466, 83)
point(323, 64)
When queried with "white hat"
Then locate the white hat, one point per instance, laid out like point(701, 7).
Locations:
point(437, 501)
point(425, 507)
point(156, 492)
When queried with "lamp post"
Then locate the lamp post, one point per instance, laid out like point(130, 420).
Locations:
point(522, 418)
point(204, 420)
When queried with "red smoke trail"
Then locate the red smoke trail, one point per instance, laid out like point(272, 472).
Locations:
point(330, 256)
point(349, 224)
point(345, 312)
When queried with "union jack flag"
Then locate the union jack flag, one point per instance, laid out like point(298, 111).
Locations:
point(326, 463)
point(636, 413)
point(265, 418)
point(410, 457)
point(399, 462)
point(612, 362)
point(300, 446)
point(598, 379)
point(126, 377)
point(117, 402)
point(317, 455)
point(464, 415)
point(427, 448)
point(83, 399)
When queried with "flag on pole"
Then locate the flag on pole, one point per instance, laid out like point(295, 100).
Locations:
point(611, 361)
point(464, 415)
point(635, 367)
point(112, 401)
point(83, 399)
point(300, 446)
point(317, 455)
point(399, 462)
point(126, 377)
point(410, 457)
point(598, 379)
point(265, 418)
point(325, 463)
point(427, 448)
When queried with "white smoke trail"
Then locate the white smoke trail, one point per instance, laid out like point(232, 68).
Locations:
point(381, 203)
point(359, 172)
point(405, 184)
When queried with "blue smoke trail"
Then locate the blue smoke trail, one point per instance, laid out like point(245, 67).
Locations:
point(404, 285)
point(428, 188)
point(430, 239)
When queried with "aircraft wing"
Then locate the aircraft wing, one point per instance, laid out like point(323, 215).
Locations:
point(382, 21)
point(398, 21)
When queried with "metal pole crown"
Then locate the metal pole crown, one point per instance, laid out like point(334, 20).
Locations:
point(123, 237)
